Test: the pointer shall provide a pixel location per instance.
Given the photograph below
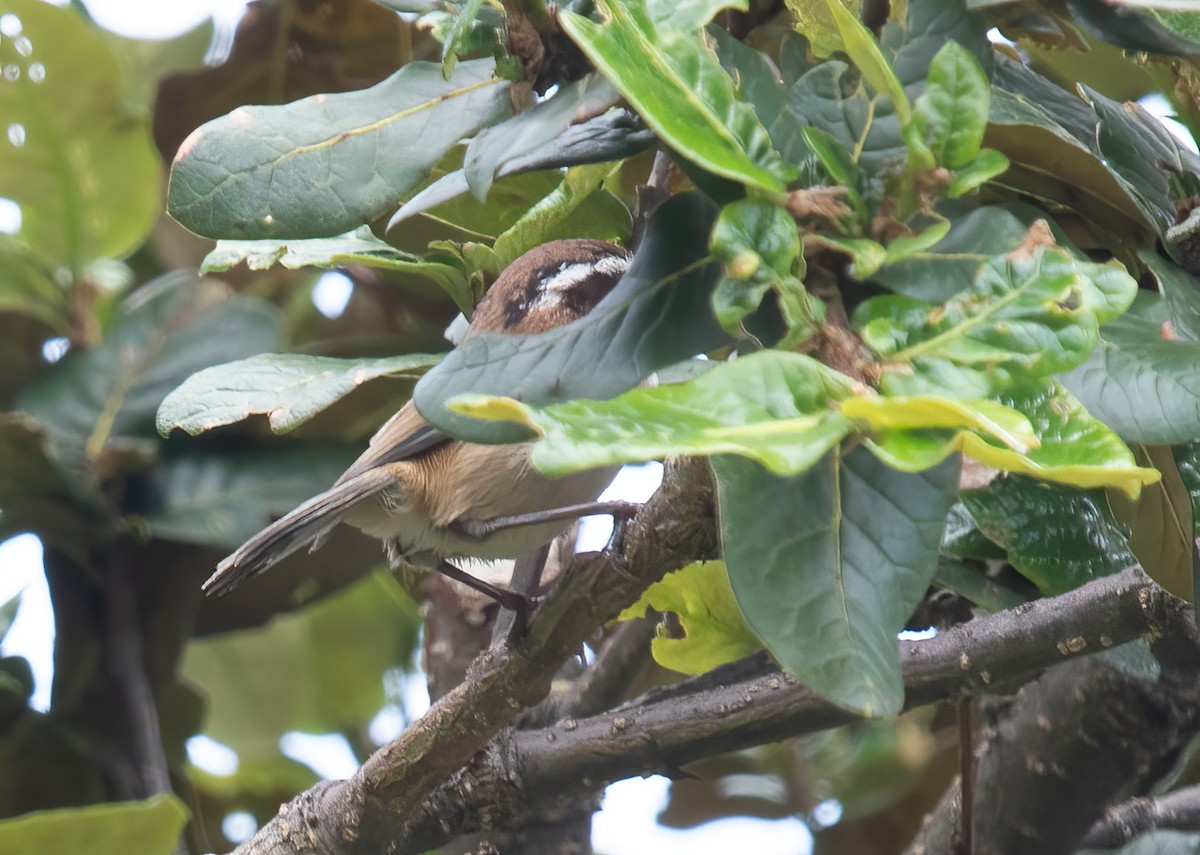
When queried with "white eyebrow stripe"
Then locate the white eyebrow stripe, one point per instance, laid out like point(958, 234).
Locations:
point(570, 275)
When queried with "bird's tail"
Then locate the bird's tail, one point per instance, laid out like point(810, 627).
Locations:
point(308, 523)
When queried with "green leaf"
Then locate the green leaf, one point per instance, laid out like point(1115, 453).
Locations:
point(837, 162)
point(861, 47)
point(760, 247)
point(977, 586)
point(546, 216)
point(613, 136)
point(687, 15)
point(953, 112)
point(150, 827)
point(869, 257)
point(1028, 314)
point(459, 40)
point(676, 83)
point(1049, 136)
point(219, 499)
point(80, 165)
point(757, 82)
point(530, 130)
point(620, 343)
point(982, 168)
point(976, 235)
point(289, 388)
point(1181, 290)
point(828, 566)
point(867, 125)
point(1070, 447)
point(771, 406)
point(29, 287)
point(714, 630)
point(1056, 537)
point(1145, 387)
point(318, 670)
point(344, 159)
point(878, 414)
point(164, 332)
point(1159, 525)
point(359, 247)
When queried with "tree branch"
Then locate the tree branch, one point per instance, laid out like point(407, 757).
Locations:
point(751, 703)
point(1177, 811)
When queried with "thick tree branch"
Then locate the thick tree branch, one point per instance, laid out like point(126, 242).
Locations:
point(368, 812)
point(1177, 811)
point(751, 703)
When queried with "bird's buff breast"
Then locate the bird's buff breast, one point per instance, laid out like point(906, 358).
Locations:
point(416, 515)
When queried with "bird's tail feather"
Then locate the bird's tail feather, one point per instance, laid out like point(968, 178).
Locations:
point(310, 522)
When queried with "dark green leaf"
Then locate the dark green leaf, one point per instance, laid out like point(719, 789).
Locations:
point(1144, 387)
point(166, 331)
point(219, 499)
point(1182, 292)
point(533, 129)
point(976, 236)
point(612, 136)
point(1056, 537)
point(1130, 29)
point(828, 566)
point(758, 83)
point(28, 285)
point(80, 165)
point(289, 388)
point(614, 348)
point(344, 159)
point(675, 82)
point(975, 584)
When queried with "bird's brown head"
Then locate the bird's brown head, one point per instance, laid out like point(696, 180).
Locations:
point(549, 286)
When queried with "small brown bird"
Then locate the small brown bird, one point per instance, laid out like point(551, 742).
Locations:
point(425, 494)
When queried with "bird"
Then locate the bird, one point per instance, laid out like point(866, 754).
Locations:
point(430, 497)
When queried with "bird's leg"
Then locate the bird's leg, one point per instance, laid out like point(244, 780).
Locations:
point(507, 599)
point(481, 529)
point(526, 579)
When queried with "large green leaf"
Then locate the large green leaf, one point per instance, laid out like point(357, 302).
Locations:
point(1068, 446)
point(613, 136)
point(1049, 135)
point(318, 670)
point(1143, 386)
point(953, 111)
point(1181, 290)
point(976, 236)
point(828, 566)
point(165, 331)
point(82, 168)
point(677, 85)
point(1030, 313)
point(1056, 537)
point(327, 164)
point(757, 82)
point(289, 388)
point(220, 498)
point(359, 247)
point(530, 130)
point(773, 407)
point(150, 827)
point(657, 315)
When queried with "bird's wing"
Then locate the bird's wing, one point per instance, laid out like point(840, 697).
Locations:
point(402, 437)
